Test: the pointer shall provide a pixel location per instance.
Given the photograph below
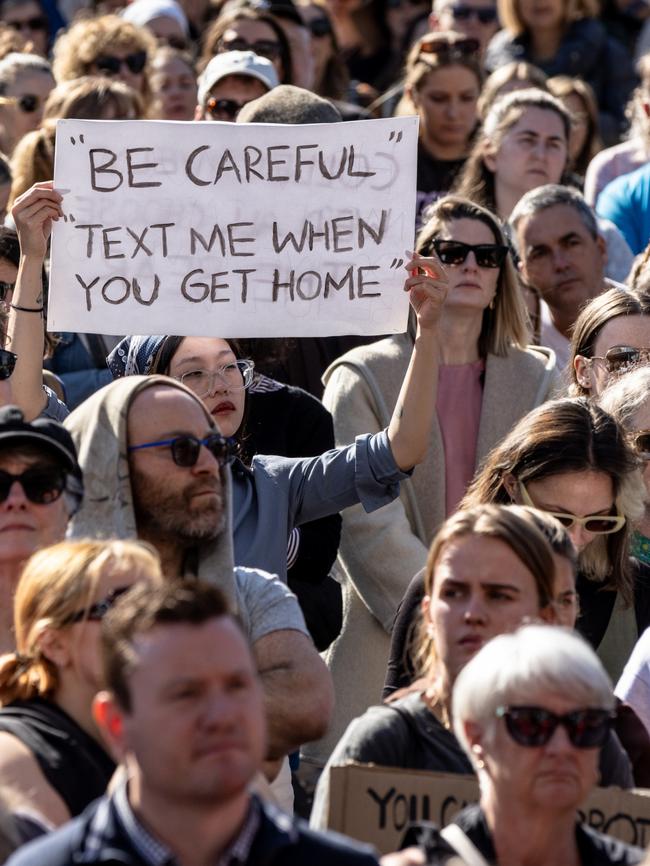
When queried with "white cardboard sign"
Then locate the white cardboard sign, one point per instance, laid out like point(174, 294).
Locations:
point(233, 230)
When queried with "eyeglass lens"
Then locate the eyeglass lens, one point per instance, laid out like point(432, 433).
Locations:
point(186, 449)
point(263, 47)
point(621, 358)
point(38, 22)
point(227, 107)
point(7, 363)
point(135, 63)
point(464, 13)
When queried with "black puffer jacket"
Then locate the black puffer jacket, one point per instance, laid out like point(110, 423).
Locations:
point(586, 52)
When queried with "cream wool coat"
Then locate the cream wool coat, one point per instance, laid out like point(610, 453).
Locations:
point(380, 552)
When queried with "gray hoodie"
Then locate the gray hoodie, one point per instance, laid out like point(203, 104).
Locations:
point(99, 430)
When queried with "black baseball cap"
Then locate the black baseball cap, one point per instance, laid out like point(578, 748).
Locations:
point(44, 432)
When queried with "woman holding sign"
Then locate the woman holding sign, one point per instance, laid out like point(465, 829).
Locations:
point(273, 494)
point(484, 379)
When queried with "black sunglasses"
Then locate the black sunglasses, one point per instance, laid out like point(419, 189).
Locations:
point(96, 612)
point(38, 22)
point(320, 26)
point(28, 103)
point(41, 484)
point(455, 253)
point(5, 288)
point(112, 65)
point(444, 48)
point(534, 726)
point(464, 13)
point(186, 449)
point(7, 363)
point(263, 47)
point(224, 106)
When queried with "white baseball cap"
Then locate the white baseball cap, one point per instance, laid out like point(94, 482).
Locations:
point(236, 63)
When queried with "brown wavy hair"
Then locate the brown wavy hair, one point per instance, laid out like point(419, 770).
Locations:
point(571, 435)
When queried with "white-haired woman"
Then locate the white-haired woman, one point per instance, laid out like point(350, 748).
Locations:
point(531, 710)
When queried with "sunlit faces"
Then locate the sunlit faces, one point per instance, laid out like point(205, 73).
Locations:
point(196, 727)
point(211, 354)
point(83, 638)
point(124, 71)
point(587, 492)
point(299, 39)
point(542, 14)
point(229, 96)
point(470, 287)
point(446, 105)
point(322, 46)
point(27, 18)
point(173, 87)
point(565, 598)
point(401, 15)
point(248, 34)
point(170, 501)
point(480, 589)
point(167, 30)
point(462, 17)
point(579, 123)
point(633, 331)
point(560, 258)
point(30, 83)
point(554, 777)
point(27, 526)
point(532, 152)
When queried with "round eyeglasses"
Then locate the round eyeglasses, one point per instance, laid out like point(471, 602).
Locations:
point(236, 376)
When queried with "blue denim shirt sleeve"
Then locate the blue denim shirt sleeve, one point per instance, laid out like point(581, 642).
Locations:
point(54, 408)
point(377, 476)
point(313, 487)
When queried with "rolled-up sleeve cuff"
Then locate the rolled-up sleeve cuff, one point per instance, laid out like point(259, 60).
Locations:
point(377, 476)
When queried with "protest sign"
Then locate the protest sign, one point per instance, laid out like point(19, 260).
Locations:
point(233, 230)
point(376, 804)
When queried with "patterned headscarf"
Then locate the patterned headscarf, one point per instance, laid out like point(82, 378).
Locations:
point(134, 355)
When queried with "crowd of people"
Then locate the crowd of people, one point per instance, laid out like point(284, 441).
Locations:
point(228, 566)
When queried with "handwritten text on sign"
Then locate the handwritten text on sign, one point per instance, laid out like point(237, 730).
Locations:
point(233, 230)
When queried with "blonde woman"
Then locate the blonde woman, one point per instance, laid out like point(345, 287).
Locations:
point(565, 37)
point(50, 751)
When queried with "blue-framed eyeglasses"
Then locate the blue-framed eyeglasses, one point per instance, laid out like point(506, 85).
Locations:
point(186, 449)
